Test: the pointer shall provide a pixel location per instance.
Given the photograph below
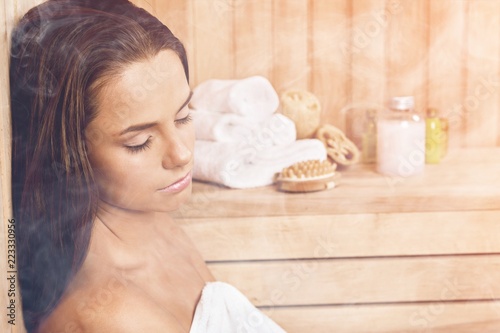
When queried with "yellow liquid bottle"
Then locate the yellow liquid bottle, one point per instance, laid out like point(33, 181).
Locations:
point(433, 138)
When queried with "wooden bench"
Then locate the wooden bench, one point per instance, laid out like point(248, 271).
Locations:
point(374, 254)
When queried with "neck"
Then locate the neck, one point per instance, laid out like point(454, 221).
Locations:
point(132, 237)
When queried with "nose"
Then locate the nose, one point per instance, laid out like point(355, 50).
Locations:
point(178, 152)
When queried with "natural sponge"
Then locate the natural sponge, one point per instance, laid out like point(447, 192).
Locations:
point(338, 147)
point(304, 109)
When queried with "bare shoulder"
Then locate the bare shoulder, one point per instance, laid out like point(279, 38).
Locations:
point(100, 309)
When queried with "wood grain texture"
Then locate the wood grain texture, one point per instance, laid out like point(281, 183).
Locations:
point(290, 68)
point(213, 42)
point(330, 58)
point(406, 48)
point(446, 49)
point(364, 281)
point(437, 317)
point(367, 83)
point(178, 17)
point(433, 268)
point(355, 53)
point(345, 236)
point(370, 21)
point(253, 42)
point(481, 101)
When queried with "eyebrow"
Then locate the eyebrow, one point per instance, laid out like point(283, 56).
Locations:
point(141, 127)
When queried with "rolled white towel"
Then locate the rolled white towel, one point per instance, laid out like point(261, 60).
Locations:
point(253, 97)
point(276, 130)
point(246, 166)
point(223, 127)
point(228, 127)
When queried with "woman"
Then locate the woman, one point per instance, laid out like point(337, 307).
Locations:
point(102, 152)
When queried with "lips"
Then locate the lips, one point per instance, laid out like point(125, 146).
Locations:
point(178, 185)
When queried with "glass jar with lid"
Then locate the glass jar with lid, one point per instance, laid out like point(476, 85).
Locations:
point(401, 139)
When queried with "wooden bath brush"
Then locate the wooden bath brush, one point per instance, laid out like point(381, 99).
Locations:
point(307, 176)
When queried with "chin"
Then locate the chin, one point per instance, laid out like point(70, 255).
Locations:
point(177, 201)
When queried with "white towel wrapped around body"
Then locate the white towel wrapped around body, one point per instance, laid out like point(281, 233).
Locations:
point(224, 309)
point(242, 165)
point(253, 97)
point(277, 129)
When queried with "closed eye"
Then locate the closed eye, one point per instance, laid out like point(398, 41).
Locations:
point(141, 147)
point(184, 120)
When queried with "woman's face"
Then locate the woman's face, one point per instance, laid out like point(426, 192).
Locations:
point(141, 141)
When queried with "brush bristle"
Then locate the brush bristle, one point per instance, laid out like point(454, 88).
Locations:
point(307, 170)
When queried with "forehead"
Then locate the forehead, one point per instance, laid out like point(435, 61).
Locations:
point(142, 86)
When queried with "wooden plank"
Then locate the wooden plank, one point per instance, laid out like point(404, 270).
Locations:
point(438, 317)
point(177, 16)
point(213, 40)
point(366, 281)
point(5, 30)
point(370, 20)
point(446, 71)
point(290, 45)
point(173, 14)
point(406, 51)
point(344, 236)
point(330, 58)
point(481, 102)
point(253, 42)
point(498, 118)
point(448, 186)
point(473, 157)
point(367, 71)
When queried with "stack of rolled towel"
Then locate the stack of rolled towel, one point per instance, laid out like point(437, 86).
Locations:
point(241, 142)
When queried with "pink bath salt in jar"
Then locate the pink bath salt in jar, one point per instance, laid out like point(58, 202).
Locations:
point(401, 139)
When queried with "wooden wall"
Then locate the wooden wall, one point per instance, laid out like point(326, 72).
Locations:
point(354, 53)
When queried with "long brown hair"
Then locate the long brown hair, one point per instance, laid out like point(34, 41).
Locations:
point(62, 52)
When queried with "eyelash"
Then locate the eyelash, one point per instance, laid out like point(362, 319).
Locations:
point(184, 120)
point(147, 144)
point(139, 148)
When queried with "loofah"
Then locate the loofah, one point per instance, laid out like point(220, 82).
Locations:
point(307, 176)
point(338, 147)
point(304, 109)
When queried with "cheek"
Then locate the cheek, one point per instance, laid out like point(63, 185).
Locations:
point(108, 178)
point(125, 187)
point(189, 136)
point(124, 171)
point(119, 175)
